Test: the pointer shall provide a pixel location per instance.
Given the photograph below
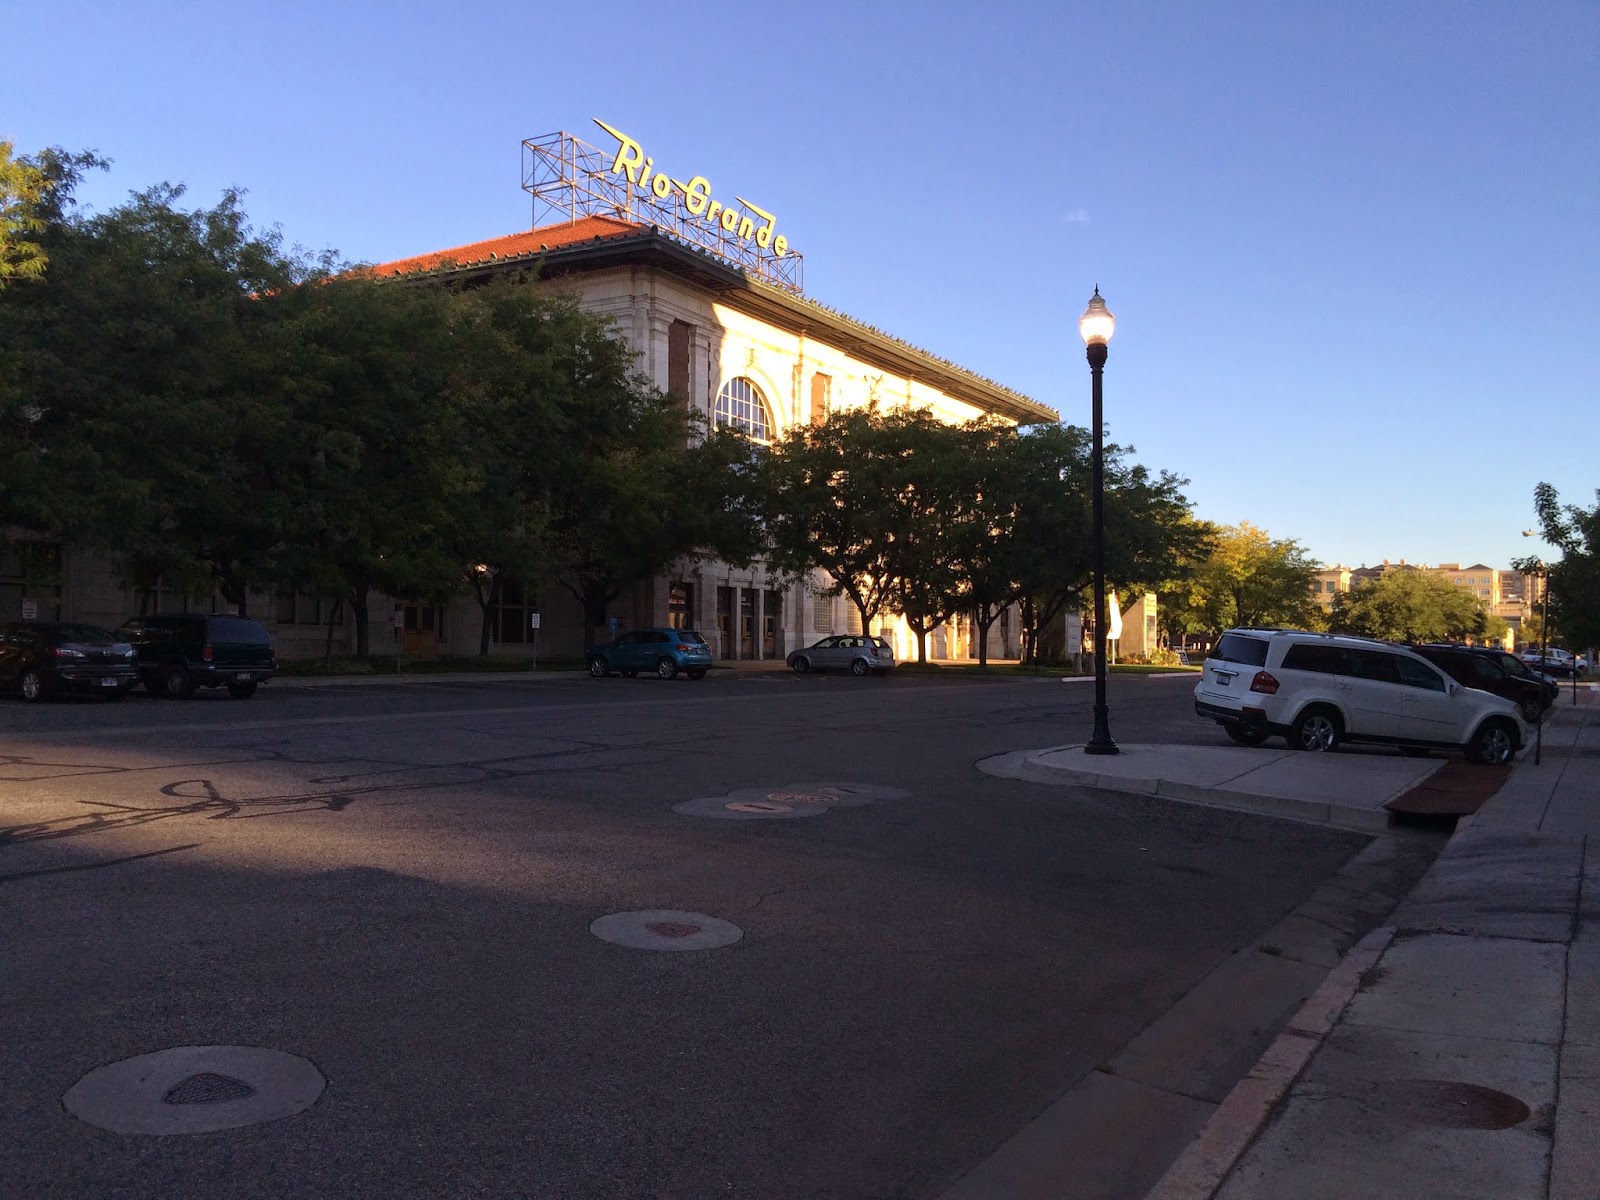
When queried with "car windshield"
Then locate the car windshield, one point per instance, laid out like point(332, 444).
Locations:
point(232, 631)
point(84, 633)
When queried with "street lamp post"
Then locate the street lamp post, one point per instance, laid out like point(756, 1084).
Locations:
point(1096, 326)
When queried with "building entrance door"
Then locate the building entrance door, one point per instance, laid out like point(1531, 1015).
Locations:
point(422, 631)
point(771, 622)
point(726, 648)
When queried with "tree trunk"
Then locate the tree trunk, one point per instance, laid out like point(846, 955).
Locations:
point(1030, 631)
point(333, 617)
point(921, 632)
point(358, 609)
point(595, 599)
point(866, 617)
point(983, 619)
point(484, 596)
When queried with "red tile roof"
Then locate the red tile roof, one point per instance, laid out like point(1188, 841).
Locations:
point(514, 245)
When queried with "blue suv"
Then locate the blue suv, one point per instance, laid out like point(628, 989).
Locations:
point(664, 651)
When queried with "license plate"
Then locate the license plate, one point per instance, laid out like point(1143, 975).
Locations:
point(108, 683)
point(243, 677)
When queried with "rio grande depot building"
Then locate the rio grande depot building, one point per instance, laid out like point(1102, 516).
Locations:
point(742, 352)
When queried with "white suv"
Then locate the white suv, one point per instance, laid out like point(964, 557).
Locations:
point(1317, 690)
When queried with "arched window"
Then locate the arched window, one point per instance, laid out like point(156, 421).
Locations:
point(741, 404)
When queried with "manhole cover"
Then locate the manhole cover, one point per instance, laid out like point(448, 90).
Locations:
point(803, 797)
point(665, 929)
point(195, 1089)
point(1448, 1104)
point(207, 1088)
point(671, 929)
point(746, 807)
point(774, 806)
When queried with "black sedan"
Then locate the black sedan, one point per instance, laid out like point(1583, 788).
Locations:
point(40, 659)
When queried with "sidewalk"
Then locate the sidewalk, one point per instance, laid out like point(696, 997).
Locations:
point(1456, 1051)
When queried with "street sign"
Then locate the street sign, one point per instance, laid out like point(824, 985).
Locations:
point(533, 620)
point(30, 610)
point(399, 618)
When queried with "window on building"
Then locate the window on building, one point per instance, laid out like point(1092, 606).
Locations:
point(680, 604)
point(853, 619)
point(30, 571)
point(822, 615)
point(680, 351)
point(511, 606)
point(741, 404)
point(821, 389)
point(293, 607)
point(160, 598)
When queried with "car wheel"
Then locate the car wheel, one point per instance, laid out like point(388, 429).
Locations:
point(31, 685)
point(1532, 710)
point(666, 668)
point(1494, 745)
point(801, 664)
point(858, 667)
point(176, 684)
point(598, 667)
point(1245, 735)
point(696, 673)
point(1316, 730)
point(241, 691)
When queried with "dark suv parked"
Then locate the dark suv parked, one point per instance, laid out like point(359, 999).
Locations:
point(177, 654)
point(1491, 670)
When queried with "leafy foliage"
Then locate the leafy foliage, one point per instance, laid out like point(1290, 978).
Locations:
point(1575, 580)
point(1247, 579)
point(1407, 605)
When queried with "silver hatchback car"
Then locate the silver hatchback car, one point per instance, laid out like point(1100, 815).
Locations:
point(860, 654)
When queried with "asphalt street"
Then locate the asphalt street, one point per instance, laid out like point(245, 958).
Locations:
point(398, 882)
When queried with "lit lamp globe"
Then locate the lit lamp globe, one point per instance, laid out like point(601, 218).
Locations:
point(1097, 323)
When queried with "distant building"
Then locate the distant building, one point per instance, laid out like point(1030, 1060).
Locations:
point(1509, 595)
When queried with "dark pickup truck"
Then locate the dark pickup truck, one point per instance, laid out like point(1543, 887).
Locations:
point(176, 654)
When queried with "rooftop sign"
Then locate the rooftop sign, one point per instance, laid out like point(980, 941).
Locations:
point(569, 179)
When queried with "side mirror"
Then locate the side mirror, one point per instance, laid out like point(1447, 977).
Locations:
point(1455, 689)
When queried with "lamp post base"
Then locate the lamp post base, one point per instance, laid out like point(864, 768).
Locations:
point(1100, 740)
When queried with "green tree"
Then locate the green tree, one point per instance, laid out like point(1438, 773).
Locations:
point(824, 488)
point(932, 487)
point(1249, 579)
point(1575, 579)
point(147, 431)
point(1408, 605)
point(1149, 535)
point(24, 189)
point(639, 482)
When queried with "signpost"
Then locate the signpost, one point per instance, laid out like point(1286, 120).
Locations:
point(399, 636)
point(533, 624)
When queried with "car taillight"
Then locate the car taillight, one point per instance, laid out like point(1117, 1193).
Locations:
point(1264, 683)
point(206, 653)
point(685, 649)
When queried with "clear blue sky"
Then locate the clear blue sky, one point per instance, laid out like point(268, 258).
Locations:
point(1352, 248)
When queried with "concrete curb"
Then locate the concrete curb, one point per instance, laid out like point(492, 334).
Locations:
point(1206, 1162)
point(1022, 764)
